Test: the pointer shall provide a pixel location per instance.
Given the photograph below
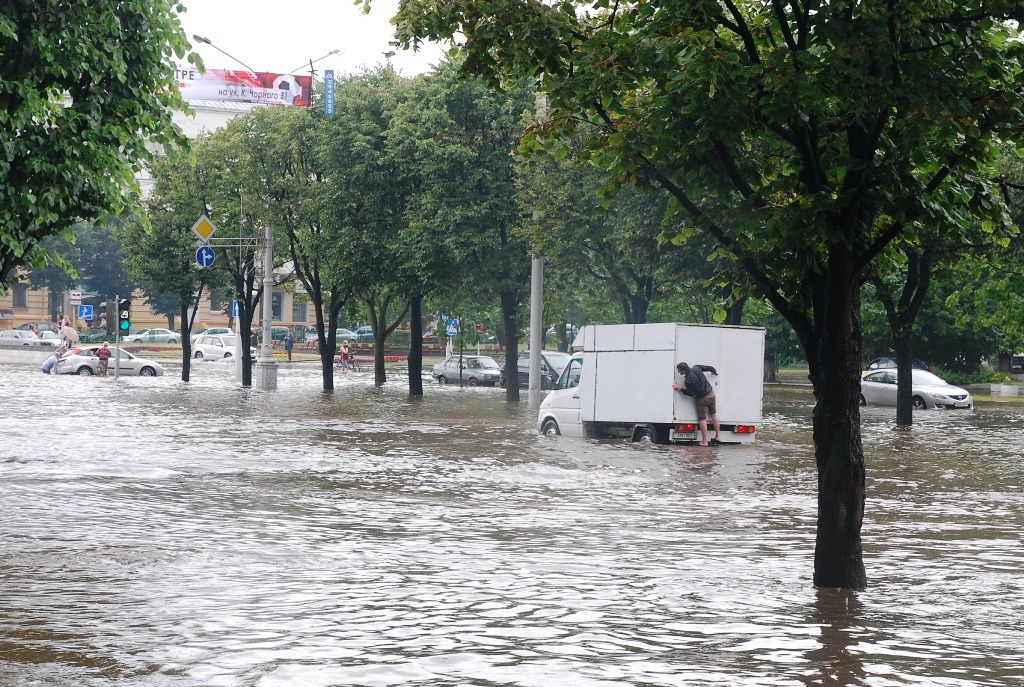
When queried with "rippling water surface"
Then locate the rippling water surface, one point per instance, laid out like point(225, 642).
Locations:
point(161, 533)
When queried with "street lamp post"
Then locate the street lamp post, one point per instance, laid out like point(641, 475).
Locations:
point(336, 51)
point(203, 39)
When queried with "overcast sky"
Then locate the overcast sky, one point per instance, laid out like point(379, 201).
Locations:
point(282, 37)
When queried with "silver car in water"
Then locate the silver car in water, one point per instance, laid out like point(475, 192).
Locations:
point(928, 391)
point(83, 361)
point(474, 370)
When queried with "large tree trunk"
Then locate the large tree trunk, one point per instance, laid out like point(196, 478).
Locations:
point(416, 346)
point(839, 453)
point(186, 343)
point(242, 339)
point(511, 340)
point(901, 313)
point(326, 341)
point(901, 342)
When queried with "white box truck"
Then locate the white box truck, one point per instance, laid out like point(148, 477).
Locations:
point(619, 383)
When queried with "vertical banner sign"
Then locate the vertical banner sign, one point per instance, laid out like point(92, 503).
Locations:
point(329, 92)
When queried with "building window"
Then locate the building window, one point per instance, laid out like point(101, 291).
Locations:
point(276, 306)
point(299, 311)
point(216, 302)
point(21, 295)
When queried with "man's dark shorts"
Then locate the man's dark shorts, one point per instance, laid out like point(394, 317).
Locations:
point(706, 406)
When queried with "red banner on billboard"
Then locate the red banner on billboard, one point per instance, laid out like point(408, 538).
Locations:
point(240, 86)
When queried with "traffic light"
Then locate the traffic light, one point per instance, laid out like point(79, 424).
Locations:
point(124, 315)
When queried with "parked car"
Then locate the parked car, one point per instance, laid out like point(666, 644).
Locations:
point(277, 333)
point(41, 326)
point(346, 335)
point(218, 346)
point(25, 337)
point(153, 336)
point(928, 391)
point(551, 365)
point(83, 361)
point(211, 331)
point(49, 338)
point(888, 362)
point(475, 370)
point(96, 335)
point(364, 334)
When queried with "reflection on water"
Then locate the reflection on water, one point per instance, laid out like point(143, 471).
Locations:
point(160, 533)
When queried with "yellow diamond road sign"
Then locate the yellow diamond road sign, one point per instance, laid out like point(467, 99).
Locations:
point(203, 228)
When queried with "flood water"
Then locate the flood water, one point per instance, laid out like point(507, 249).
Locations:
point(157, 533)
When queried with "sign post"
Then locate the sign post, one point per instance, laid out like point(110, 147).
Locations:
point(329, 92)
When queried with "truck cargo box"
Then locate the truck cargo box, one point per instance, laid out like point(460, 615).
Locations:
point(623, 379)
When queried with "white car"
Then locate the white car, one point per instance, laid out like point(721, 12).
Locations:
point(83, 361)
point(211, 331)
point(927, 391)
point(218, 347)
point(153, 336)
point(50, 339)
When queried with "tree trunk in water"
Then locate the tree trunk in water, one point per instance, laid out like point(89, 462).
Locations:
point(416, 346)
point(508, 320)
point(904, 378)
point(838, 450)
point(186, 344)
point(379, 372)
point(242, 339)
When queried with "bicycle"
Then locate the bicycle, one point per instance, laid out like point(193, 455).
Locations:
point(353, 364)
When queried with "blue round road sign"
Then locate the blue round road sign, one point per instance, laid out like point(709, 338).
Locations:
point(205, 256)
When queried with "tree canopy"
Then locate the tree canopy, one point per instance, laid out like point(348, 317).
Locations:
point(804, 137)
point(86, 89)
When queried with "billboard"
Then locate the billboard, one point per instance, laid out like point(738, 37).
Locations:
point(242, 86)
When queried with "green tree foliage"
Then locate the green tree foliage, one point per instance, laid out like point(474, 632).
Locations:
point(160, 245)
point(85, 88)
point(90, 256)
point(289, 169)
point(613, 240)
point(370, 192)
point(804, 137)
point(465, 218)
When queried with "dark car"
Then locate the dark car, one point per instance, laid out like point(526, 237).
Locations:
point(551, 365)
point(364, 334)
point(41, 326)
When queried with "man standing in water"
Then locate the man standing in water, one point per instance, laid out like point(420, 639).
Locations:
point(695, 384)
point(103, 353)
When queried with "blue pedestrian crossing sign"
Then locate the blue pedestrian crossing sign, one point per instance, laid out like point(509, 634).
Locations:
point(205, 256)
point(453, 327)
point(85, 312)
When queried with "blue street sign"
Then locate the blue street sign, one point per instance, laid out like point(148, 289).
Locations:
point(329, 92)
point(444, 318)
point(85, 312)
point(205, 256)
point(453, 327)
point(234, 308)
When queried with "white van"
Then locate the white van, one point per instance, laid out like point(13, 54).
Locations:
point(619, 383)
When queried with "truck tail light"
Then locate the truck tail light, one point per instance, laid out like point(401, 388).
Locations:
point(687, 427)
point(745, 429)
